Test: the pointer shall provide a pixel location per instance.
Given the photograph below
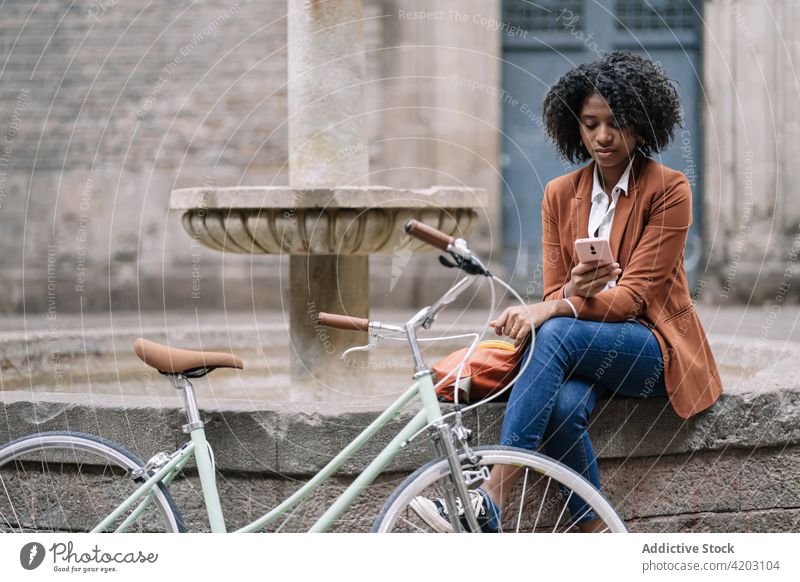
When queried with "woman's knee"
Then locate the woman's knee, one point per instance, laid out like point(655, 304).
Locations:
point(556, 325)
point(553, 331)
point(572, 405)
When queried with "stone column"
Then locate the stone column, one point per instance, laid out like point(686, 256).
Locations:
point(751, 129)
point(445, 101)
point(467, 125)
point(327, 148)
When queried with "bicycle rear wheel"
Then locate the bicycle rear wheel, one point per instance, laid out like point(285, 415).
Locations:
point(537, 502)
point(67, 481)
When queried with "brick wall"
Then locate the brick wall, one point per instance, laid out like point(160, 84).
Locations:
point(109, 106)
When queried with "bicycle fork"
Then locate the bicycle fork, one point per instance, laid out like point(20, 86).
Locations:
point(456, 485)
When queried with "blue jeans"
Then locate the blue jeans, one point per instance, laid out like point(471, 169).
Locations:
point(574, 363)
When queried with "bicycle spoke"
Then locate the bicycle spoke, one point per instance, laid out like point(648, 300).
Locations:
point(563, 510)
point(58, 500)
point(534, 475)
point(69, 482)
point(541, 504)
point(5, 520)
point(502, 481)
point(32, 508)
point(581, 516)
point(522, 499)
point(19, 519)
point(412, 524)
point(584, 514)
point(289, 515)
point(570, 525)
point(11, 505)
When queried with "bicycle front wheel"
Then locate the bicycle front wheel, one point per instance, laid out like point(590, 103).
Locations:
point(68, 481)
point(536, 502)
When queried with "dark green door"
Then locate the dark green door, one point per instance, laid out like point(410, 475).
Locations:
point(543, 40)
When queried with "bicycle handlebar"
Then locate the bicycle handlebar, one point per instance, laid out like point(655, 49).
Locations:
point(428, 234)
point(343, 322)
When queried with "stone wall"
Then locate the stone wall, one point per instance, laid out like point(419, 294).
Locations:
point(108, 106)
point(123, 105)
point(752, 216)
point(719, 472)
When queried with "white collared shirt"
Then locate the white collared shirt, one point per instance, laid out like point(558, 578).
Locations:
point(602, 212)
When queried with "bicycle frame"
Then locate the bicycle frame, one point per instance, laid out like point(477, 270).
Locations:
point(197, 448)
point(429, 415)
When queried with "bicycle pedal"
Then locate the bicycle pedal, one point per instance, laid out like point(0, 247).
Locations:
point(472, 476)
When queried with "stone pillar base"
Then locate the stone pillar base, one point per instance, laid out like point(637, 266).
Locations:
point(334, 284)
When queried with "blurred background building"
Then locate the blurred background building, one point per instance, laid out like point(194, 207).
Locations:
point(107, 106)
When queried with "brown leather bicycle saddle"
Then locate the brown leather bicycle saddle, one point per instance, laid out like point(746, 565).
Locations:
point(169, 360)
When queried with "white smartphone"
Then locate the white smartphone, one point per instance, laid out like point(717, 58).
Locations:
point(594, 249)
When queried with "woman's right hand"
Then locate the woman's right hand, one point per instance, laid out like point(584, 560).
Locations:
point(587, 279)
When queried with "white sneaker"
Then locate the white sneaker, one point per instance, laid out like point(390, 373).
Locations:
point(434, 512)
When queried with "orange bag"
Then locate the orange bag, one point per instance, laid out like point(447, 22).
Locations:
point(493, 364)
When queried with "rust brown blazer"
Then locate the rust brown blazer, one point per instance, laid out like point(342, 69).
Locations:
point(648, 235)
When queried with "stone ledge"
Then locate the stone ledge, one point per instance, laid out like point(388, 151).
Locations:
point(732, 468)
point(299, 438)
point(285, 197)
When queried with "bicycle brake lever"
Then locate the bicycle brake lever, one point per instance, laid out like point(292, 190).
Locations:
point(468, 265)
point(365, 348)
point(374, 340)
point(447, 262)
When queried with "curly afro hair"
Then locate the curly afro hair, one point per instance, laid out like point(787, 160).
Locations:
point(639, 93)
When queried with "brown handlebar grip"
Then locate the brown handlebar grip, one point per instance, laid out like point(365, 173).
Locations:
point(343, 321)
point(428, 234)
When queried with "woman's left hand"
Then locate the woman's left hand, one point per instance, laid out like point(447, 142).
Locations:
point(516, 321)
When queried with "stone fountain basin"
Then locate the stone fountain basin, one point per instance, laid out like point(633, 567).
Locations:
point(353, 220)
point(101, 363)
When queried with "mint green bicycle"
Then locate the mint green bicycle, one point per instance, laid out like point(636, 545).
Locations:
point(67, 481)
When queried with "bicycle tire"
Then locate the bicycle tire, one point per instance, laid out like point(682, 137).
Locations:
point(70, 481)
point(540, 472)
